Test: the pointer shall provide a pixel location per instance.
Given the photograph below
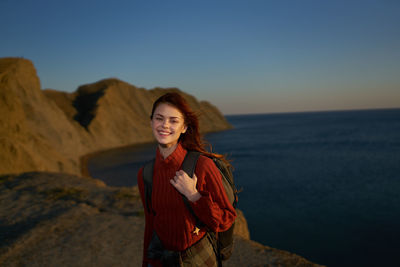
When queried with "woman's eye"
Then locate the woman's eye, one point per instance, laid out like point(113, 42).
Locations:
point(159, 119)
point(174, 121)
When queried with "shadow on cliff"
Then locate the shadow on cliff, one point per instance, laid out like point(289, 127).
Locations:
point(85, 104)
point(10, 233)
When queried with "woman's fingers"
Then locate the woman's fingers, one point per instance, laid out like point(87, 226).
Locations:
point(183, 183)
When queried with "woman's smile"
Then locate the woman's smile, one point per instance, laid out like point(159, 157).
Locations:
point(163, 133)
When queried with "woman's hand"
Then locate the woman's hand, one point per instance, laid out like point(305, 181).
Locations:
point(186, 185)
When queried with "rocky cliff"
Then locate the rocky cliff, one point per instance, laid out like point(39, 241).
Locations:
point(56, 219)
point(34, 133)
point(49, 130)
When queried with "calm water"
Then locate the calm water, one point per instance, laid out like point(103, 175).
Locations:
point(324, 185)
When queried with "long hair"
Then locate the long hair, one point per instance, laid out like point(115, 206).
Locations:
point(191, 139)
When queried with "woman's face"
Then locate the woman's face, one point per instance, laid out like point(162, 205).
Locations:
point(167, 124)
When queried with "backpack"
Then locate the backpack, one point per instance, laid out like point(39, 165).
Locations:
point(223, 241)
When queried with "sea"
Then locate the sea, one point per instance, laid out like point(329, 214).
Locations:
point(323, 185)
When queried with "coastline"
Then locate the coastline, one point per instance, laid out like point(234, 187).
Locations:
point(84, 159)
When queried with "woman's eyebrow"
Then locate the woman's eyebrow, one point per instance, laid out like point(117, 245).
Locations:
point(172, 117)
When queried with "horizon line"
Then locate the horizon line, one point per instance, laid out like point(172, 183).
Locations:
point(310, 111)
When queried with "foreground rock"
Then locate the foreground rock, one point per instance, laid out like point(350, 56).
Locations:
point(50, 130)
point(54, 219)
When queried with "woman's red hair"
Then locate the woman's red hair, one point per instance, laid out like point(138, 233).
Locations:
point(191, 139)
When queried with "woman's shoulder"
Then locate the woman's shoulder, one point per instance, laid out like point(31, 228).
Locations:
point(206, 164)
point(205, 160)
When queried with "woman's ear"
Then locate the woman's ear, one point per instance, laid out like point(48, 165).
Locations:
point(184, 129)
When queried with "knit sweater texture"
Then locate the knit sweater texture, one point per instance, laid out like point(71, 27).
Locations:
point(171, 219)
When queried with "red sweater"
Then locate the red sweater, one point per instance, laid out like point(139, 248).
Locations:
point(172, 220)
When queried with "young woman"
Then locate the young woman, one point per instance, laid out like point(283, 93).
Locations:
point(176, 130)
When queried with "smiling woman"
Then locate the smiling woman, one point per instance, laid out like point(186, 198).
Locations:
point(172, 235)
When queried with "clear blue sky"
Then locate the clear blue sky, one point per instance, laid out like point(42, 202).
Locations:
point(243, 56)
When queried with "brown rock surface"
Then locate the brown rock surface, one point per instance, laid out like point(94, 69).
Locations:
point(54, 219)
point(50, 130)
point(34, 132)
point(241, 228)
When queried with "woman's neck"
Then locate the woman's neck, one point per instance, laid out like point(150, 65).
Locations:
point(166, 151)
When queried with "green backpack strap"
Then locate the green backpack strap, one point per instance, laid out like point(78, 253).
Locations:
point(148, 183)
point(190, 161)
point(189, 165)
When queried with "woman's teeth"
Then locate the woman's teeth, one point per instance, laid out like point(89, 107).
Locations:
point(163, 133)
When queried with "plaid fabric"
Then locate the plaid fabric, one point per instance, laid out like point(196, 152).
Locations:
point(200, 254)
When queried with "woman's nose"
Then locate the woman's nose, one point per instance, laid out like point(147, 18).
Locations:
point(165, 124)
